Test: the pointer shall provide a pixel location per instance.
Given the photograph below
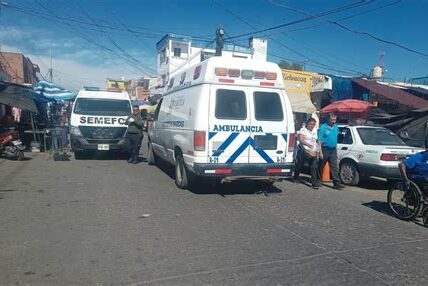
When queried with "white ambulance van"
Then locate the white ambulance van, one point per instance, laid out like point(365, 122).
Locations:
point(98, 121)
point(227, 118)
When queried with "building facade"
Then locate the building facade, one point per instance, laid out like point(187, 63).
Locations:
point(19, 68)
point(176, 52)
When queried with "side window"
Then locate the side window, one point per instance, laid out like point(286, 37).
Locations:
point(345, 136)
point(155, 117)
point(230, 104)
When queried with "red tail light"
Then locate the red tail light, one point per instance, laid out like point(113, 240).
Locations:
point(291, 142)
point(263, 83)
point(234, 72)
point(259, 75)
point(271, 75)
point(391, 157)
point(273, 171)
point(199, 140)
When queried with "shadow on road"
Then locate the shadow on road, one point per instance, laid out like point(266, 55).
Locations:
point(209, 186)
point(379, 206)
point(374, 184)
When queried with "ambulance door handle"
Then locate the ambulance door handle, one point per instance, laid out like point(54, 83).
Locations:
point(344, 148)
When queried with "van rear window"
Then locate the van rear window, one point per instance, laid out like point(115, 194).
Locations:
point(268, 106)
point(230, 104)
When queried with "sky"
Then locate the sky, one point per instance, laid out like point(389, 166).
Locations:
point(91, 40)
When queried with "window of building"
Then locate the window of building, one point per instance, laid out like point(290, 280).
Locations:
point(230, 104)
point(177, 52)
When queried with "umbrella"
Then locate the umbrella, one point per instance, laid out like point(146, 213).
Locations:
point(347, 106)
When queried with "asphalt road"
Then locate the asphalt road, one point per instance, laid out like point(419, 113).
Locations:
point(105, 222)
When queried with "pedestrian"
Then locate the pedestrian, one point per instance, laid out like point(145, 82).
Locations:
point(327, 137)
point(134, 134)
point(308, 151)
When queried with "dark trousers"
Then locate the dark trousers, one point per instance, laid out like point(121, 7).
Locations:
point(301, 159)
point(133, 141)
point(330, 156)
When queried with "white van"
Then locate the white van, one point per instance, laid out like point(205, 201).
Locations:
point(98, 121)
point(225, 117)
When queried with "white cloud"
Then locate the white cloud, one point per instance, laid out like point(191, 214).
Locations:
point(76, 63)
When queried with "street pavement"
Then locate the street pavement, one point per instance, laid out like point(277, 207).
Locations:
point(102, 221)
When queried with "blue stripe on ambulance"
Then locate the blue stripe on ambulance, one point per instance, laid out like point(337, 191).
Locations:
point(248, 142)
point(225, 144)
point(211, 135)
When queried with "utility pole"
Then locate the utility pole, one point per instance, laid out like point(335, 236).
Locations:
point(50, 68)
point(219, 39)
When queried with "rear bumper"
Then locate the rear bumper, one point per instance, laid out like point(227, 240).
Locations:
point(79, 143)
point(387, 172)
point(244, 170)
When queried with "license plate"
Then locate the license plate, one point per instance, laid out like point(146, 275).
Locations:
point(103, 147)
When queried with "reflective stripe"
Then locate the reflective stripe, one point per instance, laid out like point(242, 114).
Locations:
point(225, 144)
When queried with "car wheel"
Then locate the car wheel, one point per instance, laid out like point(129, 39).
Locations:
point(151, 156)
point(78, 155)
point(183, 177)
point(349, 173)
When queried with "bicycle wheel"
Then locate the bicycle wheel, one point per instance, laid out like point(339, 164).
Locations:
point(404, 203)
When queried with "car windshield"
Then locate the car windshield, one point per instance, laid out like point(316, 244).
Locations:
point(379, 136)
point(92, 106)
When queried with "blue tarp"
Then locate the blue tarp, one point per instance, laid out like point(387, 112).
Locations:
point(342, 88)
point(45, 92)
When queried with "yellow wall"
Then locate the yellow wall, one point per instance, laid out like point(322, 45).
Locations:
point(121, 84)
point(297, 82)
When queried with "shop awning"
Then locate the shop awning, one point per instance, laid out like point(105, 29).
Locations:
point(17, 95)
point(391, 93)
point(46, 91)
point(300, 102)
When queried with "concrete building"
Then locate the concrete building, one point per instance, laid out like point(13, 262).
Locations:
point(175, 52)
point(19, 68)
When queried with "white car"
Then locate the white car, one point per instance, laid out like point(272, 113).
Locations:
point(366, 151)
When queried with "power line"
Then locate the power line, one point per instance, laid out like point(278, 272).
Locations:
point(352, 30)
point(309, 18)
point(282, 44)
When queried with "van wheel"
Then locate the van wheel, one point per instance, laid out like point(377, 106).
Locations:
point(183, 177)
point(349, 173)
point(151, 156)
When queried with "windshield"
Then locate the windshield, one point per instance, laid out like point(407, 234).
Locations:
point(92, 106)
point(379, 136)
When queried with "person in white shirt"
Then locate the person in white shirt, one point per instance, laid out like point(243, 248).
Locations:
point(308, 151)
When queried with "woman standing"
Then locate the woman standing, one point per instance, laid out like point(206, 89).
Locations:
point(308, 151)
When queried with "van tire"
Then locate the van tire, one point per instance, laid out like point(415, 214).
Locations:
point(151, 156)
point(183, 177)
point(349, 173)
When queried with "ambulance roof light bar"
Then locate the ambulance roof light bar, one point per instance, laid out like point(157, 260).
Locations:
point(245, 74)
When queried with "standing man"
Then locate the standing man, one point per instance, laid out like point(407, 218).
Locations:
point(328, 139)
point(134, 135)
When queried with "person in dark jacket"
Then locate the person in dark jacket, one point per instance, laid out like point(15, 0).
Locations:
point(134, 135)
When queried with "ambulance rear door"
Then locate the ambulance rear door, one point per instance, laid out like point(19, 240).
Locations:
point(268, 120)
point(229, 125)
